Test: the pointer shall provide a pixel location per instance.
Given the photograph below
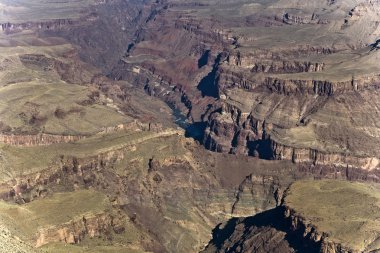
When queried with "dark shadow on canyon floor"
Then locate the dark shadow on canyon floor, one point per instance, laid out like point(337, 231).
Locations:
point(208, 85)
point(192, 130)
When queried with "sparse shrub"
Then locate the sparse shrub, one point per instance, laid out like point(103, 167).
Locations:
point(59, 113)
point(37, 120)
point(4, 128)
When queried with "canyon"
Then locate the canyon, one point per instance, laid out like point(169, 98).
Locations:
point(189, 126)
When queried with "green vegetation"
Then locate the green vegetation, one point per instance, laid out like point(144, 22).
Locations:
point(348, 212)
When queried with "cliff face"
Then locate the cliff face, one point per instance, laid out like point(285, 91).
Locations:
point(270, 125)
point(75, 231)
point(269, 231)
point(261, 192)
point(40, 139)
point(256, 234)
point(311, 234)
point(229, 78)
point(298, 155)
point(326, 226)
point(54, 25)
point(257, 63)
point(297, 225)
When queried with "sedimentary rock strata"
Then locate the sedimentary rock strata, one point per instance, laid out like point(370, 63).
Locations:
point(98, 100)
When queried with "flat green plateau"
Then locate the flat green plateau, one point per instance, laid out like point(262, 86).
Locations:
point(349, 212)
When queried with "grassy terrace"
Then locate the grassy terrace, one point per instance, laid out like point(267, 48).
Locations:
point(20, 160)
point(348, 212)
point(20, 102)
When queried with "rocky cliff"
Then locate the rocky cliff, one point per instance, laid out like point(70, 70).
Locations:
point(98, 225)
point(40, 139)
point(298, 225)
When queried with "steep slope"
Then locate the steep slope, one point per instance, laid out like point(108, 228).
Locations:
point(310, 219)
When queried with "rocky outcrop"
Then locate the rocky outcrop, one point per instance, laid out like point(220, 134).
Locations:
point(73, 232)
point(308, 155)
point(56, 24)
point(38, 139)
point(360, 11)
point(311, 235)
point(322, 88)
point(46, 25)
point(266, 66)
point(309, 232)
point(229, 78)
point(299, 19)
point(252, 189)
